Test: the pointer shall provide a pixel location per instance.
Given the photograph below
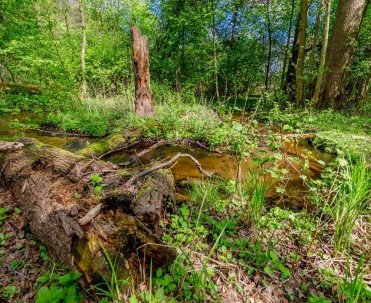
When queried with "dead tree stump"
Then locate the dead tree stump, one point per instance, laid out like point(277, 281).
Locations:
point(144, 101)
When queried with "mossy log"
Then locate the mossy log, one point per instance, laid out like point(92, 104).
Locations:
point(20, 88)
point(53, 188)
point(111, 144)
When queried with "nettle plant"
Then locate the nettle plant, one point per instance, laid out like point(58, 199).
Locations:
point(97, 185)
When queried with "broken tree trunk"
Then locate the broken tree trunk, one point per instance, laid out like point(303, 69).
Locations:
point(54, 190)
point(144, 101)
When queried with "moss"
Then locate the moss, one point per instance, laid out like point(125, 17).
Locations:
point(112, 142)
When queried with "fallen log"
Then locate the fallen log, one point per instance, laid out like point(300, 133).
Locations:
point(20, 88)
point(54, 190)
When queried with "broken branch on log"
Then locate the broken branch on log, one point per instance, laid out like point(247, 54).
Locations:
point(91, 214)
point(166, 164)
point(136, 157)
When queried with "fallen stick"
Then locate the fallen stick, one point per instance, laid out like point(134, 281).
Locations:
point(165, 164)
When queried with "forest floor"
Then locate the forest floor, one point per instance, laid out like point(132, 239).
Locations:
point(230, 251)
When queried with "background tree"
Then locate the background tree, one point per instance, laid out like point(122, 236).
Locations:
point(349, 17)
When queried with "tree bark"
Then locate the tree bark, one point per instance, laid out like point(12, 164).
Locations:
point(270, 41)
point(323, 53)
point(83, 51)
point(215, 58)
point(315, 38)
point(54, 190)
point(301, 55)
point(290, 83)
point(287, 45)
point(339, 58)
point(144, 101)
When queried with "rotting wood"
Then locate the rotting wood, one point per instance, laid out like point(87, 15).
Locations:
point(91, 214)
point(52, 187)
point(20, 88)
point(144, 100)
point(10, 146)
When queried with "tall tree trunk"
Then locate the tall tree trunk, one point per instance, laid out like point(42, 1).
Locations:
point(301, 56)
point(315, 38)
point(323, 53)
point(83, 51)
point(287, 45)
point(144, 101)
point(348, 21)
point(215, 59)
point(290, 83)
point(235, 17)
point(269, 57)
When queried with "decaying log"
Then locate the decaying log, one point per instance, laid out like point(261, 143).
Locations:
point(53, 189)
point(111, 144)
point(10, 146)
point(20, 88)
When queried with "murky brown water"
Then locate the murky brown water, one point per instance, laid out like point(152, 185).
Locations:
point(64, 142)
point(221, 165)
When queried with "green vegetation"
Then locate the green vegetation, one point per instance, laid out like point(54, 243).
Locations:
point(252, 80)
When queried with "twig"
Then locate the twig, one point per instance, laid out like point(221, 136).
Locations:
point(135, 157)
point(165, 164)
point(11, 227)
point(62, 133)
point(91, 214)
point(118, 149)
point(166, 142)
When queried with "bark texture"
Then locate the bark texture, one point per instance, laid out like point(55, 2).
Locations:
point(54, 190)
point(323, 53)
point(341, 49)
point(144, 100)
point(83, 51)
point(301, 55)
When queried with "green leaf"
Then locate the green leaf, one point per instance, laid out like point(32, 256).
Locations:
point(268, 270)
point(274, 256)
point(342, 162)
point(52, 295)
point(159, 273)
point(277, 156)
point(323, 163)
point(283, 269)
point(69, 278)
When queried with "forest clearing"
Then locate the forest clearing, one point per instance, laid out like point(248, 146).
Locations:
point(185, 151)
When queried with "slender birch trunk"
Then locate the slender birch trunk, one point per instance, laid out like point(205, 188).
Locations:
point(315, 38)
point(301, 43)
point(323, 53)
point(287, 45)
point(215, 59)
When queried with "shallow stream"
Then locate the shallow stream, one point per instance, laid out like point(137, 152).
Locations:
point(184, 170)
